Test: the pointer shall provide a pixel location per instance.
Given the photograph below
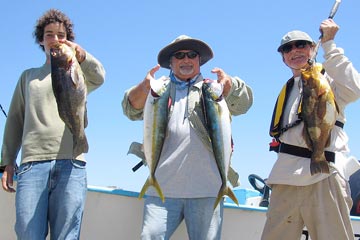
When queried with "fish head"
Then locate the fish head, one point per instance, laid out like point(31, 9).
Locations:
point(213, 88)
point(311, 75)
point(159, 87)
point(62, 55)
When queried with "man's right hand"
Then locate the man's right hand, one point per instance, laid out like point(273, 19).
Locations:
point(7, 179)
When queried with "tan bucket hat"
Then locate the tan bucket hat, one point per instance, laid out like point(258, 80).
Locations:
point(184, 42)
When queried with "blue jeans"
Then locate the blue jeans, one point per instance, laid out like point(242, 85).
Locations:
point(162, 219)
point(50, 193)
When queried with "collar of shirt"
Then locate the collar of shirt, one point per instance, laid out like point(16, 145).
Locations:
point(181, 85)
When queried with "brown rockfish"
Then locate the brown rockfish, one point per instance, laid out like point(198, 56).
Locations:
point(70, 91)
point(319, 113)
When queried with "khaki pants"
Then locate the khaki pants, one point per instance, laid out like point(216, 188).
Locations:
point(323, 207)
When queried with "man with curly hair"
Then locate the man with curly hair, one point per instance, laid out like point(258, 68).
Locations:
point(51, 182)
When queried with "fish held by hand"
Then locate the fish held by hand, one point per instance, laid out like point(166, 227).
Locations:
point(70, 92)
point(319, 112)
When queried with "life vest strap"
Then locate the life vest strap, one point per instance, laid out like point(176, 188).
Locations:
point(302, 152)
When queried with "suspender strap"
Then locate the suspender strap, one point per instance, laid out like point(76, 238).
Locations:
point(303, 152)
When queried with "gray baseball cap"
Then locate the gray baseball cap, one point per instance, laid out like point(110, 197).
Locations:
point(295, 35)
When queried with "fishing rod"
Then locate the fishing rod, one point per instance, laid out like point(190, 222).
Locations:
point(2, 168)
point(3, 111)
point(331, 16)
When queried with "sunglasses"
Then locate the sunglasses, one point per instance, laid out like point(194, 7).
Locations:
point(181, 55)
point(298, 44)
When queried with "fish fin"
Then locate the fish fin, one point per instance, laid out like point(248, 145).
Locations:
point(231, 194)
point(158, 189)
point(136, 148)
point(144, 188)
point(85, 116)
point(233, 177)
point(319, 167)
point(307, 139)
point(151, 181)
point(226, 190)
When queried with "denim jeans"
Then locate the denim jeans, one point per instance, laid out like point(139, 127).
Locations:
point(162, 219)
point(50, 193)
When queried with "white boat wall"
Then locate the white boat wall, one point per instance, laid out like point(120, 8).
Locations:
point(117, 214)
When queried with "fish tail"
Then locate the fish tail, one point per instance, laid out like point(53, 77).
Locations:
point(231, 194)
point(151, 181)
point(225, 191)
point(319, 167)
point(144, 188)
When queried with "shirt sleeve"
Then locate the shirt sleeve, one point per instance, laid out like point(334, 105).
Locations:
point(128, 110)
point(94, 72)
point(345, 77)
point(14, 126)
point(240, 97)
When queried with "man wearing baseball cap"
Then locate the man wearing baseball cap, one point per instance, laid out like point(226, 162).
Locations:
point(187, 172)
point(321, 202)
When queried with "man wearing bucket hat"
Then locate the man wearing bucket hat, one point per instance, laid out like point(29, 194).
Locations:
point(321, 202)
point(187, 171)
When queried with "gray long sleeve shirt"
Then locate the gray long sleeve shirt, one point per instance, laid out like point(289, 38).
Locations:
point(33, 124)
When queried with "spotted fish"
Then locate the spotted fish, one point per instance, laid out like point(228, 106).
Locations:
point(70, 92)
point(319, 112)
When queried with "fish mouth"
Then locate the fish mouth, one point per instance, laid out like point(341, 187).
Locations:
point(54, 52)
point(55, 49)
point(59, 50)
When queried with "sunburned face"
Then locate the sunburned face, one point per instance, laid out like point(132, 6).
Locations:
point(185, 64)
point(296, 55)
point(53, 32)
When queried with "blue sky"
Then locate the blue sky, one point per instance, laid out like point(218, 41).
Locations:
point(126, 37)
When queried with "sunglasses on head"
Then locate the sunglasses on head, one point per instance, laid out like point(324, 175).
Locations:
point(298, 44)
point(181, 55)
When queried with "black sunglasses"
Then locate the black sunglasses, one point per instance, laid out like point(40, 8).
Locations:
point(298, 44)
point(181, 55)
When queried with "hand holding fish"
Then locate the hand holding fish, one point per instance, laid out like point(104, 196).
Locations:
point(149, 77)
point(224, 79)
point(70, 91)
point(328, 28)
point(137, 96)
point(79, 51)
point(319, 112)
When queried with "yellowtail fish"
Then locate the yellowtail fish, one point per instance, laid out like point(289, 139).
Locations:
point(70, 91)
point(319, 112)
point(155, 125)
point(218, 119)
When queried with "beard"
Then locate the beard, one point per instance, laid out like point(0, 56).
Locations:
point(186, 70)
